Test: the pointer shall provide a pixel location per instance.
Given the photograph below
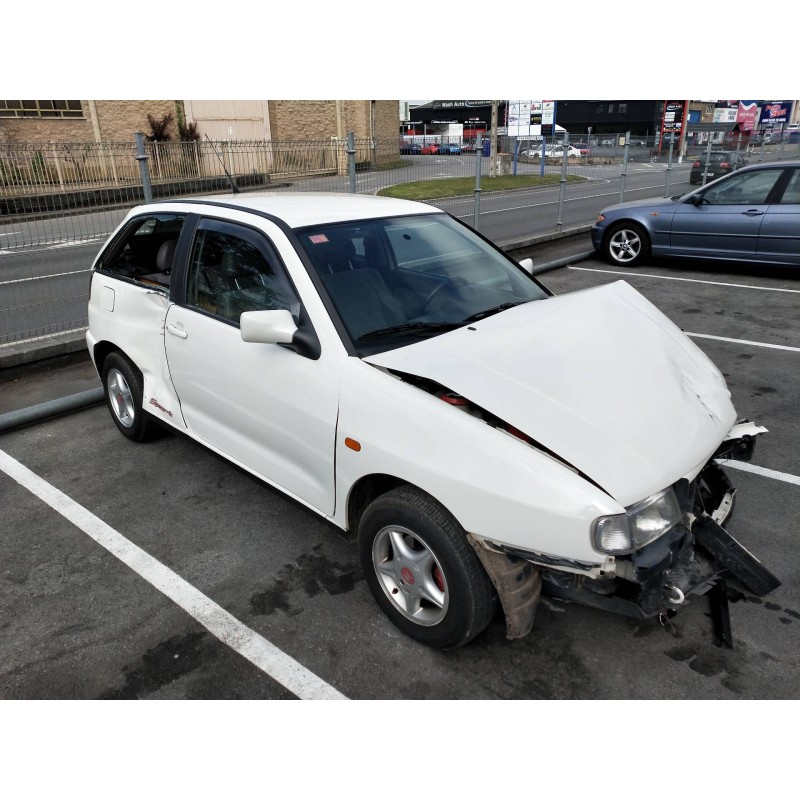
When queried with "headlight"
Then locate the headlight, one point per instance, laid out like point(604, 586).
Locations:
point(643, 523)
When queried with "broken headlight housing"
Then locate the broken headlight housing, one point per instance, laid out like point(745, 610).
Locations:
point(642, 523)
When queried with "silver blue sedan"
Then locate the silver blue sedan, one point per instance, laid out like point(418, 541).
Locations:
point(750, 215)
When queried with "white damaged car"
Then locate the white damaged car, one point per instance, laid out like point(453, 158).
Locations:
point(386, 366)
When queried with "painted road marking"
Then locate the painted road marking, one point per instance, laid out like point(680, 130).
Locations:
point(43, 337)
point(631, 274)
point(746, 466)
point(229, 630)
point(743, 341)
point(42, 277)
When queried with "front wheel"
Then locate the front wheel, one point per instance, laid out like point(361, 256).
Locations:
point(627, 244)
point(421, 570)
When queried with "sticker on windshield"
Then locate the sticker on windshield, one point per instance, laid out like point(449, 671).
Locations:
point(318, 238)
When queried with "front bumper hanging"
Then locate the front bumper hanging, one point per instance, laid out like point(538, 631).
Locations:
point(698, 557)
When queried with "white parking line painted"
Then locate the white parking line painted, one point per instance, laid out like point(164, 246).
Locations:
point(743, 341)
point(635, 274)
point(229, 630)
point(746, 466)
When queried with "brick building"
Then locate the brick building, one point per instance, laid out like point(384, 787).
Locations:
point(119, 120)
point(80, 120)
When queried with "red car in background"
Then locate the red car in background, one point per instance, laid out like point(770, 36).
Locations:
point(430, 149)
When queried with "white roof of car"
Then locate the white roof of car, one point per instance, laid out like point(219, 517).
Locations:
point(299, 209)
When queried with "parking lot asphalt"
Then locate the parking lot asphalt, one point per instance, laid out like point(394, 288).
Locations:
point(141, 576)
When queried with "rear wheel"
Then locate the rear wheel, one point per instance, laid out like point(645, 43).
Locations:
point(422, 571)
point(627, 244)
point(124, 392)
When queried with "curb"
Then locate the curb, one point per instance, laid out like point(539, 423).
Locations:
point(30, 351)
point(563, 262)
point(50, 409)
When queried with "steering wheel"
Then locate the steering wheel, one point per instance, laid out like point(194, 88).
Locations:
point(436, 290)
point(455, 283)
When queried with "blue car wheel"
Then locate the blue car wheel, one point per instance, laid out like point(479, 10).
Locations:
point(626, 244)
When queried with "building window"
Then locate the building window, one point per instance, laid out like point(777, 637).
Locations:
point(623, 108)
point(610, 108)
point(600, 108)
point(41, 108)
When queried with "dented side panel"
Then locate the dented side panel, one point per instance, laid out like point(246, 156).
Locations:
point(132, 318)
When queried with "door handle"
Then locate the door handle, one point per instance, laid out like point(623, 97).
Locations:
point(753, 212)
point(175, 331)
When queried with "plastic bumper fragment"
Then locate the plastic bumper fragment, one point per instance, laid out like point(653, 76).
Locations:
point(734, 559)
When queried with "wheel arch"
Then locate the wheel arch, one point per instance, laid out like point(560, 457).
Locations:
point(623, 221)
point(368, 488)
point(103, 349)
point(363, 492)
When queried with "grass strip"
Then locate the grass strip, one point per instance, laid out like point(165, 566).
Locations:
point(455, 187)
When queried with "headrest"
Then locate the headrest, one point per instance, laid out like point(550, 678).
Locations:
point(165, 255)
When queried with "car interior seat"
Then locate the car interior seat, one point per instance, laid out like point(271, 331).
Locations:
point(165, 256)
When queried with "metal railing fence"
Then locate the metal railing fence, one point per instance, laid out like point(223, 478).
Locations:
point(60, 200)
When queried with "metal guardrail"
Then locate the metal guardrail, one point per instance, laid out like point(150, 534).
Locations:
point(59, 201)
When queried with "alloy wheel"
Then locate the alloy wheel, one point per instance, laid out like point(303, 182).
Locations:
point(410, 575)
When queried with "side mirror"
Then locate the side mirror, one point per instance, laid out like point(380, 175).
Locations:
point(267, 327)
point(695, 200)
point(527, 265)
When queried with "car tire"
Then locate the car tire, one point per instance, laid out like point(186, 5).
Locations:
point(124, 390)
point(626, 244)
point(422, 571)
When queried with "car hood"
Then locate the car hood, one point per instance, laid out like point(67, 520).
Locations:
point(600, 377)
point(664, 204)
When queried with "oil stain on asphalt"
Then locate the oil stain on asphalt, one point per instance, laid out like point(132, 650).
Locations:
point(312, 574)
point(163, 664)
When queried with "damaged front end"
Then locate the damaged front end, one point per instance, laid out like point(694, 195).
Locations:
point(695, 556)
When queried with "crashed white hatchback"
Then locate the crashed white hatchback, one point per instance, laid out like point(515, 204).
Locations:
point(386, 366)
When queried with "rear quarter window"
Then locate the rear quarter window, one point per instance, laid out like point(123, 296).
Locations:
point(144, 250)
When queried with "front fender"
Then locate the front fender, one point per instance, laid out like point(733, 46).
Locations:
point(495, 485)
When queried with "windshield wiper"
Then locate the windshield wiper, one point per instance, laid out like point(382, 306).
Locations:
point(495, 310)
point(411, 327)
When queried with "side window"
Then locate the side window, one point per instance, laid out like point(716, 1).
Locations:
point(749, 188)
point(230, 273)
point(145, 249)
point(792, 192)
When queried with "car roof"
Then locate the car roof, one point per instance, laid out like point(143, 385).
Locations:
point(299, 209)
point(771, 165)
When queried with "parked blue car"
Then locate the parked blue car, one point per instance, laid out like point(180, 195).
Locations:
point(449, 149)
point(752, 214)
point(410, 149)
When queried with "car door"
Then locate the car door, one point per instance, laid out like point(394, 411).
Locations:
point(264, 405)
point(779, 237)
point(724, 220)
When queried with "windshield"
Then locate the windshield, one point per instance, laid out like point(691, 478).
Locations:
point(398, 279)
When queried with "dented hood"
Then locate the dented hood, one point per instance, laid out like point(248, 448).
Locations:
point(600, 377)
